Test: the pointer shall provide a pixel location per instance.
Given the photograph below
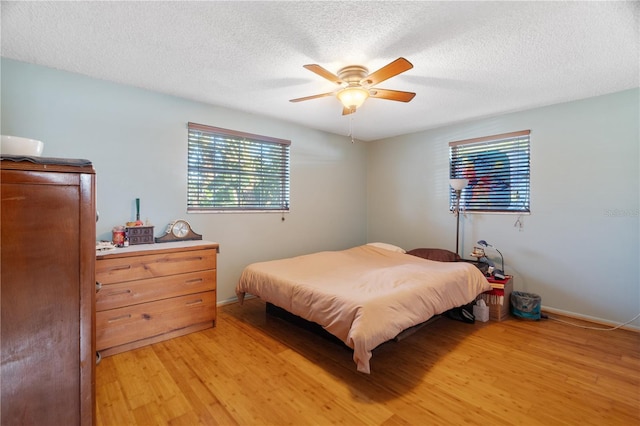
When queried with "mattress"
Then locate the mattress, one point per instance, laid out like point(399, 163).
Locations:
point(364, 295)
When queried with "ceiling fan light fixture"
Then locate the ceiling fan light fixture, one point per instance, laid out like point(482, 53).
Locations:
point(357, 84)
point(352, 97)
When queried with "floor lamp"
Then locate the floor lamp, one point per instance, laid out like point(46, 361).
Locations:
point(458, 185)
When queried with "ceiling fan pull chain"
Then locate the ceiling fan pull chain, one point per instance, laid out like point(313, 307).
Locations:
point(351, 127)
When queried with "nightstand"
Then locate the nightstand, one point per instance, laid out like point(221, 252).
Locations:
point(498, 299)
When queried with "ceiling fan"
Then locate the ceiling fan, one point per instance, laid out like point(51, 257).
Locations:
point(357, 84)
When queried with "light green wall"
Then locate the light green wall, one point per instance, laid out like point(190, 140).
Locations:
point(137, 141)
point(579, 247)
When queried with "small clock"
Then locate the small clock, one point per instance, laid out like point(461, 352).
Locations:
point(178, 230)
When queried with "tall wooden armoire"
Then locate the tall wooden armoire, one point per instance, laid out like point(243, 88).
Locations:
point(47, 275)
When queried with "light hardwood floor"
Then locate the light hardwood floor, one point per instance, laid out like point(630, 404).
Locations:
point(253, 369)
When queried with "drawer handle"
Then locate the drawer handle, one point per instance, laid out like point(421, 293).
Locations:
point(184, 259)
point(194, 280)
point(117, 292)
point(121, 317)
point(195, 302)
point(121, 268)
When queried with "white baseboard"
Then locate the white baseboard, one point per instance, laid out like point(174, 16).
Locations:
point(233, 300)
point(594, 320)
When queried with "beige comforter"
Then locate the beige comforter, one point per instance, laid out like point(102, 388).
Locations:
point(364, 295)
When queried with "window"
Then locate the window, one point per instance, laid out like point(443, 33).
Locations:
point(498, 171)
point(234, 171)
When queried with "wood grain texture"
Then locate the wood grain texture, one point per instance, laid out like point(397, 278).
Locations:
point(47, 289)
point(139, 267)
point(147, 295)
point(252, 369)
point(134, 292)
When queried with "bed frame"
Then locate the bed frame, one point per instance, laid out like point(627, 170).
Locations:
point(311, 326)
point(317, 329)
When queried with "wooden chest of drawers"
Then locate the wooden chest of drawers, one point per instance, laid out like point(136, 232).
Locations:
point(48, 234)
point(151, 293)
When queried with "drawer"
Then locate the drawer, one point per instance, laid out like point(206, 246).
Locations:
point(123, 269)
point(139, 231)
point(117, 295)
point(124, 325)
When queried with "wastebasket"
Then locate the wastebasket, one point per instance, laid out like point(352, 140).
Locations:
point(526, 305)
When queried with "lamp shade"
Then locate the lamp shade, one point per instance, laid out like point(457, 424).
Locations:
point(483, 243)
point(353, 97)
point(458, 184)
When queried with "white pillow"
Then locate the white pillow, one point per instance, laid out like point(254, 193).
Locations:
point(388, 247)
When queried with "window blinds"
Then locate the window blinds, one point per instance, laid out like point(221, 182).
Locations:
point(498, 169)
point(235, 171)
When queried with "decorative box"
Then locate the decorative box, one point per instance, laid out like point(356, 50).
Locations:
point(140, 234)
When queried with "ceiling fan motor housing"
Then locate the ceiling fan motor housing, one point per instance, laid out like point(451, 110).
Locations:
point(353, 74)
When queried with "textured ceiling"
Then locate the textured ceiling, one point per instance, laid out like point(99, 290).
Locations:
point(471, 59)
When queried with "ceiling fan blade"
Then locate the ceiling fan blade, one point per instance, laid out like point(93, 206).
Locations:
point(392, 69)
point(306, 98)
point(392, 95)
point(347, 111)
point(323, 73)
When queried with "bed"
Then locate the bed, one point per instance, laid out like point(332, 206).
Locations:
point(365, 295)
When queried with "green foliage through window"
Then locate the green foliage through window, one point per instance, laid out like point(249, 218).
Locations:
point(235, 171)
